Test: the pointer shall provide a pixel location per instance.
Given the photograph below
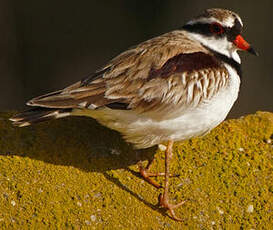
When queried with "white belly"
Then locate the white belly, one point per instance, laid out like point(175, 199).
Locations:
point(144, 132)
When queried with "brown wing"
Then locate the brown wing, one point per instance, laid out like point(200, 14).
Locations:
point(167, 71)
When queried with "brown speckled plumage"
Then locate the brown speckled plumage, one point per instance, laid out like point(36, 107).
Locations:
point(160, 74)
point(219, 14)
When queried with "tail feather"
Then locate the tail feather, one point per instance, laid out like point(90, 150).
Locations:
point(38, 114)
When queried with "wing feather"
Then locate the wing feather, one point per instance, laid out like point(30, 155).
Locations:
point(158, 75)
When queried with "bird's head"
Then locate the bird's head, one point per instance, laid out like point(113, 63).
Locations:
point(221, 31)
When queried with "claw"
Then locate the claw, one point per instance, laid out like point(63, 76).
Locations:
point(144, 172)
point(164, 203)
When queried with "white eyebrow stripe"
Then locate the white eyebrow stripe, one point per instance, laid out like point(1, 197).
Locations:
point(229, 22)
point(240, 20)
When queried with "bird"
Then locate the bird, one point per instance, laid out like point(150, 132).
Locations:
point(173, 87)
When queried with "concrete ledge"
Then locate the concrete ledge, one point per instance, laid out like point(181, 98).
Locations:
point(75, 174)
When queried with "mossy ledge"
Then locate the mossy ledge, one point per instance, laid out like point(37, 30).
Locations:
point(75, 174)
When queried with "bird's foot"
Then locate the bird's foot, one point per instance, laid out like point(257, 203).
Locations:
point(164, 203)
point(144, 172)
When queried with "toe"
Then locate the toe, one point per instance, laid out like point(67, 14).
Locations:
point(164, 202)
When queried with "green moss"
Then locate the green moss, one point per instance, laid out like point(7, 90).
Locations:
point(75, 174)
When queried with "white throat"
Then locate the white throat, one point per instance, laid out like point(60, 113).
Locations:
point(221, 45)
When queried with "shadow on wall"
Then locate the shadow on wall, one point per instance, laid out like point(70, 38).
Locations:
point(75, 141)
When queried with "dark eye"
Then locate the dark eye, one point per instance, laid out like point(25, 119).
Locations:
point(216, 28)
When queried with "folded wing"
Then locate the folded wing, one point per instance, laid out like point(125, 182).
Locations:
point(162, 73)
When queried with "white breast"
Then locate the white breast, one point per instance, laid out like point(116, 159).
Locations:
point(144, 132)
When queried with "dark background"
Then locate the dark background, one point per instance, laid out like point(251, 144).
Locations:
point(46, 45)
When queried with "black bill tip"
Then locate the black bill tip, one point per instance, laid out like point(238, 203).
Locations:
point(253, 51)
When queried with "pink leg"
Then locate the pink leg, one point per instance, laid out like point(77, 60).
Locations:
point(164, 199)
